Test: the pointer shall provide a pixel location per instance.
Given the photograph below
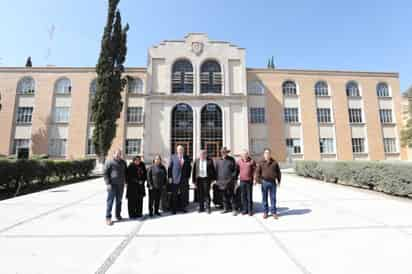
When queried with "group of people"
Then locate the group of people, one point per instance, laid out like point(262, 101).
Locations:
point(224, 173)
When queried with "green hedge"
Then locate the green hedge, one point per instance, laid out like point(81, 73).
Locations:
point(15, 174)
point(389, 177)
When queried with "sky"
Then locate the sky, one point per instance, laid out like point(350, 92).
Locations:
point(361, 35)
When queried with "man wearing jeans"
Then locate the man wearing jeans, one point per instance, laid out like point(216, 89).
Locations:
point(246, 167)
point(268, 174)
point(115, 179)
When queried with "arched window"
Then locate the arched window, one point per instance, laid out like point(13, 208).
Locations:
point(26, 86)
point(289, 88)
point(135, 85)
point(182, 128)
point(63, 86)
point(321, 89)
point(382, 90)
point(211, 129)
point(255, 87)
point(182, 77)
point(93, 87)
point(210, 77)
point(352, 89)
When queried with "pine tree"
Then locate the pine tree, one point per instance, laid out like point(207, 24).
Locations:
point(107, 103)
point(28, 62)
point(406, 133)
point(272, 65)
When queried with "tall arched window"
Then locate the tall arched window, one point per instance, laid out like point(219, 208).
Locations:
point(182, 77)
point(182, 128)
point(352, 89)
point(27, 85)
point(63, 86)
point(289, 88)
point(382, 90)
point(211, 129)
point(321, 89)
point(210, 77)
point(135, 85)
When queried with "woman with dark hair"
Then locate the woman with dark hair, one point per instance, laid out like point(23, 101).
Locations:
point(156, 180)
point(136, 177)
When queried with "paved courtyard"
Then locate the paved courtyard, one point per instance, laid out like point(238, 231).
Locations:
point(323, 228)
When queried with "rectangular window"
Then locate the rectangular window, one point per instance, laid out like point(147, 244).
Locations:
point(327, 145)
point(324, 115)
point(385, 115)
point(135, 115)
point(133, 146)
point(61, 114)
point(293, 146)
point(57, 147)
point(24, 115)
point(90, 147)
point(258, 145)
point(291, 115)
point(358, 145)
point(257, 115)
point(20, 143)
point(355, 115)
point(389, 145)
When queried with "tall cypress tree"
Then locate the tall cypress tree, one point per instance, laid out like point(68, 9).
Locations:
point(107, 103)
point(406, 133)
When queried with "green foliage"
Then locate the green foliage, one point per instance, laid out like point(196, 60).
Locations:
point(271, 63)
point(389, 177)
point(18, 173)
point(406, 132)
point(107, 104)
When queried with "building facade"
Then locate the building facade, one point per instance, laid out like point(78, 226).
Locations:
point(199, 93)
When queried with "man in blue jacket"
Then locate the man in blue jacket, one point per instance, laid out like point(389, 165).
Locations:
point(179, 172)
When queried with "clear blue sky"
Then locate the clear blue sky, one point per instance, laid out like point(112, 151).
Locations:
point(371, 35)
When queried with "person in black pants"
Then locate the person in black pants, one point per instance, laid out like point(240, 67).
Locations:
point(202, 176)
point(136, 177)
point(156, 180)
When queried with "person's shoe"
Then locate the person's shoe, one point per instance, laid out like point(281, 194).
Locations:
point(184, 211)
point(209, 211)
point(158, 214)
point(173, 212)
point(244, 213)
point(119, 219)
point(226, 211)
point(275, 216)
point(109, 222)
point(265, 216)
point(235, 213)
point(151, 214)
point(201, 210)
point(250, 213)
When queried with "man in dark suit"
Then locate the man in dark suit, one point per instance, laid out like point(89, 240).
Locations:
point(226, 178)
point(202, 176)
point(179, 172)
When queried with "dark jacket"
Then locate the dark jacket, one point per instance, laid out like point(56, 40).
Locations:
point(226, 172)
point(136, 177)
point(177, 172)
point(115, 172)
point(157, 177)
point(210, 166)
point(268, 170)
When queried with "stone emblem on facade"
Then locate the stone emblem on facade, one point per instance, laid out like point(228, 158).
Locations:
point(197, 48)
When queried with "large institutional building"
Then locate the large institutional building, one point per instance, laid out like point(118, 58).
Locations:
point(199, 93)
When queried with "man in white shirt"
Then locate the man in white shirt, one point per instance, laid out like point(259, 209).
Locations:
point(202, 176)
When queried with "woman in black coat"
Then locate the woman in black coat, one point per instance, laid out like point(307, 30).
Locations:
point(136, 177)
point(156, 180)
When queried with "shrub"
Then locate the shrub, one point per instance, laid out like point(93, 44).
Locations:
point(17, 173)
point(389, 177)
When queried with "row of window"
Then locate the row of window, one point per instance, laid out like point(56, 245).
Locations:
point(289, 88)
point(58, 147)
point(327, 145)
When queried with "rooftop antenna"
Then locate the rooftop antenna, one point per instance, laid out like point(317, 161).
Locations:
point(50, 32)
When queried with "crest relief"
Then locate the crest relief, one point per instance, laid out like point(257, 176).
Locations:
point(197, 48)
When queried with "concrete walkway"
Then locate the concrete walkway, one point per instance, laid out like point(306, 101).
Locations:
point(323, 228)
